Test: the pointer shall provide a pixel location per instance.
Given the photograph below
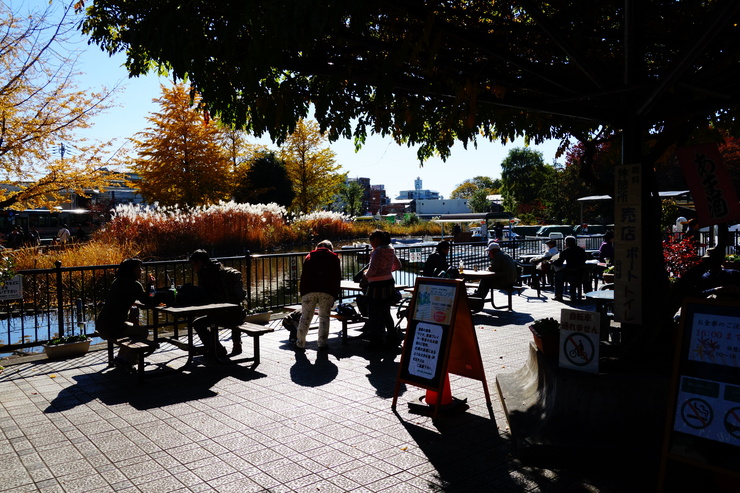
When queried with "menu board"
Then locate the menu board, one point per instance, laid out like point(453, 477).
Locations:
point(428, 333)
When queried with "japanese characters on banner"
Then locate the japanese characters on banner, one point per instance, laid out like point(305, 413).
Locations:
point(579, 340)
point(628, 244)
point(710, 184)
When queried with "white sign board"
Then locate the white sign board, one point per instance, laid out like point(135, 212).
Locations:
point(579, 340)
point(13, 289)
point(425, 350)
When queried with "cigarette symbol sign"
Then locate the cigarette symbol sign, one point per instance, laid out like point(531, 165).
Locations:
point(697, 413)
point(732, 422)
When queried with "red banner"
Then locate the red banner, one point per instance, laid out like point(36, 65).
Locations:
point(710, 184)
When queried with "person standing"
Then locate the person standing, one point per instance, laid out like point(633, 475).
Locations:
point(503, 268)
point(606, 250)
point(569, 266)
point(319, 286)
point(34, 237)
point(63, 235)
point(436, 264)
point(214, 290)
point(381, 290)
point(112, 321)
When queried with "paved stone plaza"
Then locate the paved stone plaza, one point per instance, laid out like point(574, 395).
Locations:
point(298, 422)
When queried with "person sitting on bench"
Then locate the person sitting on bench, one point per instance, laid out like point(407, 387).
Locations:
point(570, 267)
point(504, 269)
point(213, 289)
point(112, 322)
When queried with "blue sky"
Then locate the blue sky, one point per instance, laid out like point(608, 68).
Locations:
point(381, 159)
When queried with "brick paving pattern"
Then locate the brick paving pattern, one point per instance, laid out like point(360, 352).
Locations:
point(298, 422)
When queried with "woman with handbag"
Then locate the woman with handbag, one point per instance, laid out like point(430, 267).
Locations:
point(381, 290)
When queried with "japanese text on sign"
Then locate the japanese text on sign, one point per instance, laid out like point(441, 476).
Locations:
point(12, 289)
point(434, 303)
point(628, 261)
point(579, 340)
point(715, 339)
point(425, 350)
point(711, 186)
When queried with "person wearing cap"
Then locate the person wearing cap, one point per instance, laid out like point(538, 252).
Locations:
point(504, 269)
point(542, 263)
point(552, 250)
point(436, 264)
point(569, 266)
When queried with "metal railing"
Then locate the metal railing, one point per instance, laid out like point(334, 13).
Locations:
point(65, 300)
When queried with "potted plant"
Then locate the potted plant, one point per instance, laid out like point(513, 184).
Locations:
point(67, 347)
point(608, 275)
point(731, 262)
point(258, 315)
point(546, 333)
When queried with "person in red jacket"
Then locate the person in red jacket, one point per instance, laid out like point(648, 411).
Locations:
point(319, 286)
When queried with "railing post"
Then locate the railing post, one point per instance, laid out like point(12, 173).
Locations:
point(60, 298)
point(248, 258)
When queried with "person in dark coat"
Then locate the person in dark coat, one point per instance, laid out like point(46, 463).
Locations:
point(570, 266)
point(213, 290)
point(319, 285)
point(112, 322)
point(436, 264)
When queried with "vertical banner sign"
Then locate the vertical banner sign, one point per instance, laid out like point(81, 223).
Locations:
point(579, 340)
point(710, 184)
point(628, 245)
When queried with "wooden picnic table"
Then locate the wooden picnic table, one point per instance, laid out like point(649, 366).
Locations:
point(189, 313)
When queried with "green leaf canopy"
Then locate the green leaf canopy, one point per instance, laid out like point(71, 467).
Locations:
point(433, 73)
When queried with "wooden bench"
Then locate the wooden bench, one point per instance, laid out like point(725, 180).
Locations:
point(255, 331)
point(140, 347)
point(348, 320)
point(509, 291)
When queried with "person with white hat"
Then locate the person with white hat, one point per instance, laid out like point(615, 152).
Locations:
point(503, 267)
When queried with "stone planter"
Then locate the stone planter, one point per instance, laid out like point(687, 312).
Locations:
point(608, 278)
point(728, 264)
point(547, 345)
point(67, 350)
point(259, 318)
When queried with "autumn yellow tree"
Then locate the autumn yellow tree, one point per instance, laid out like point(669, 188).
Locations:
point(181, 160)
point(311, 167)
point(41, 111)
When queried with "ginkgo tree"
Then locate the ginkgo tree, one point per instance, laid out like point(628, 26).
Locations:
point(42, 111)
point(311, 167)
point(181, 159)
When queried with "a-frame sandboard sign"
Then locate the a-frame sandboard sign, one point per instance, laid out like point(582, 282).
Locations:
point(702, 429)
point(440, 339)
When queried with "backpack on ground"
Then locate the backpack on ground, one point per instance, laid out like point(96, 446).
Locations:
point(232, 281)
